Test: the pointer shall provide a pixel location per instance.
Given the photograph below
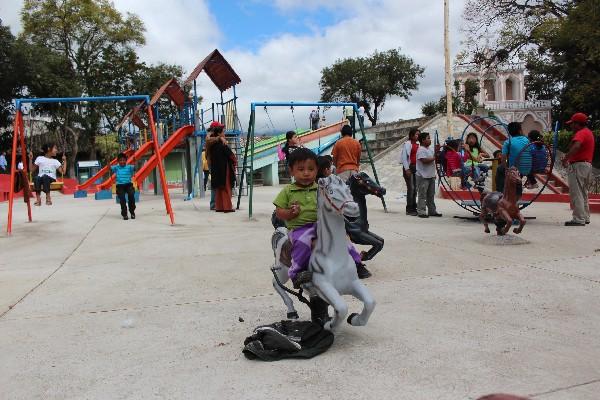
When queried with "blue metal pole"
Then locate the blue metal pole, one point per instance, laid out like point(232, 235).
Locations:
point(144, 98)
point(302, 104)
point(195, 102)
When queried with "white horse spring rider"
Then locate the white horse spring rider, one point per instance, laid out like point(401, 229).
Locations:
point(334, 270)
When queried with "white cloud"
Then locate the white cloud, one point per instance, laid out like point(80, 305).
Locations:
point(287, 67)
point(10, 13)
point(181, 33)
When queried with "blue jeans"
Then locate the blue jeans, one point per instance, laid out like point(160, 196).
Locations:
point(476, 169)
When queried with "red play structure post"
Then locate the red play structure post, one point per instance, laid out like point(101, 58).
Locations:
point(13, 167)
point(161, 168)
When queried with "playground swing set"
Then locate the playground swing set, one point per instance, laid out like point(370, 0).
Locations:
point(188, 122)
point(250, 150)
point(19, 145)
point(187, 125)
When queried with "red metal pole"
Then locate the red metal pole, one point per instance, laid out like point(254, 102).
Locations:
point(24, 161)
point(13, 166)
point(159, 164)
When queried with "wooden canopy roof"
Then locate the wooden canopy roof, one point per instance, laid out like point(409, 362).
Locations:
point(134, 117)
point(218, 70)
point(173, 91)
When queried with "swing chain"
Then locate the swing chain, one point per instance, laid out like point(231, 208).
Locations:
point(294, 117)
point(269, 116)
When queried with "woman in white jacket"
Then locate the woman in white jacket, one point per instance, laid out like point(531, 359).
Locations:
point(408, 158)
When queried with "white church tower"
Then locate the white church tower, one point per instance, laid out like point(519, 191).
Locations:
point(503, 92)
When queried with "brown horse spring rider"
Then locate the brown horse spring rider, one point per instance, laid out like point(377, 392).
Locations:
point(503, 205)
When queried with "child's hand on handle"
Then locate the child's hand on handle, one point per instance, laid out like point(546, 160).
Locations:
point(295, 210)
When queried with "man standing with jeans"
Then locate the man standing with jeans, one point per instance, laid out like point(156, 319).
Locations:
point(346, 154)
point(578, 160)
point(408, 158)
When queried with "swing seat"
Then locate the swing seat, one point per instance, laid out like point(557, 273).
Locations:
point(53, 186)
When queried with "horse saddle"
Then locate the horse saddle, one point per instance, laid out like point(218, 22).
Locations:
point(286, 254)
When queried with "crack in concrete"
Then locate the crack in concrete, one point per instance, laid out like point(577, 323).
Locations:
point(146, 307)
point(564, 388)
point(10, 307)
point(563, 273)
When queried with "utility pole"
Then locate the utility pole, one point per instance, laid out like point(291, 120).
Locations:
point(448, 71)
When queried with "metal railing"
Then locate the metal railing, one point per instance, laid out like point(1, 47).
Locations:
point(475, 68)
point(595, 186)
point(517, 105)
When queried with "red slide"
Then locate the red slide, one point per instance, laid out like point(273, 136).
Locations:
point(101, 173)
point(146, 147)
point(165, 149)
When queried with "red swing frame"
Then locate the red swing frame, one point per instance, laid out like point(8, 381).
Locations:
point(19, 140)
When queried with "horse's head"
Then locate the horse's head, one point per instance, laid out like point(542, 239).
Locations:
point(512, 175)
point(361, 184)
point(337, 197)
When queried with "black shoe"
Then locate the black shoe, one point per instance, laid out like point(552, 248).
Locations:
point(587, 222)
point(435, 215)
point(574, 223)
point(132, 215)
point(362, 271)
point(318, 310)
point(423, 216)
point(125, 217)
point(413, 213)
point(302, 278)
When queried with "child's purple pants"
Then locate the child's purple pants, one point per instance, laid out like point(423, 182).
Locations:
point(301, 239)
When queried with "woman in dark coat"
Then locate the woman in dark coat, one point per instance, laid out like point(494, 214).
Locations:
point(222, 170)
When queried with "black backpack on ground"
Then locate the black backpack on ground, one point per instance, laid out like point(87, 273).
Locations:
point(287, 339)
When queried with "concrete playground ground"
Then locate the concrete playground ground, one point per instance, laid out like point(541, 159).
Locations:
point(94, 307)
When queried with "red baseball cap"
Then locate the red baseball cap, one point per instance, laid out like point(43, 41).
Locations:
point(578, 117)
point(216, 124)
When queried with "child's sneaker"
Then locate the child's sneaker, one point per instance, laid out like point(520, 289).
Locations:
point(302, 278)
point(125, 217)
point(362, 271)
point(132, 215)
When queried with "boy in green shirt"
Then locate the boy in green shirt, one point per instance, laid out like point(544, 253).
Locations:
point(296, 204)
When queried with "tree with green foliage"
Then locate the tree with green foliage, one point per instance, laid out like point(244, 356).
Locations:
point(94, 46)
point(462, 102)
point(369, 81)
point(558, 40)
point(12, 80)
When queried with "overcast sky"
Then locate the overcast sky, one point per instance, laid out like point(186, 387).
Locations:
point(279, 47)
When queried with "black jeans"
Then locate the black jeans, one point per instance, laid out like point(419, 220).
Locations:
point(121, 191)
point(206, 175)
point(42, 184)
point(501, 177)
point(411, 188)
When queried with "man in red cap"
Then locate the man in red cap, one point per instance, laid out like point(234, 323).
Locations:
point(579, 162)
